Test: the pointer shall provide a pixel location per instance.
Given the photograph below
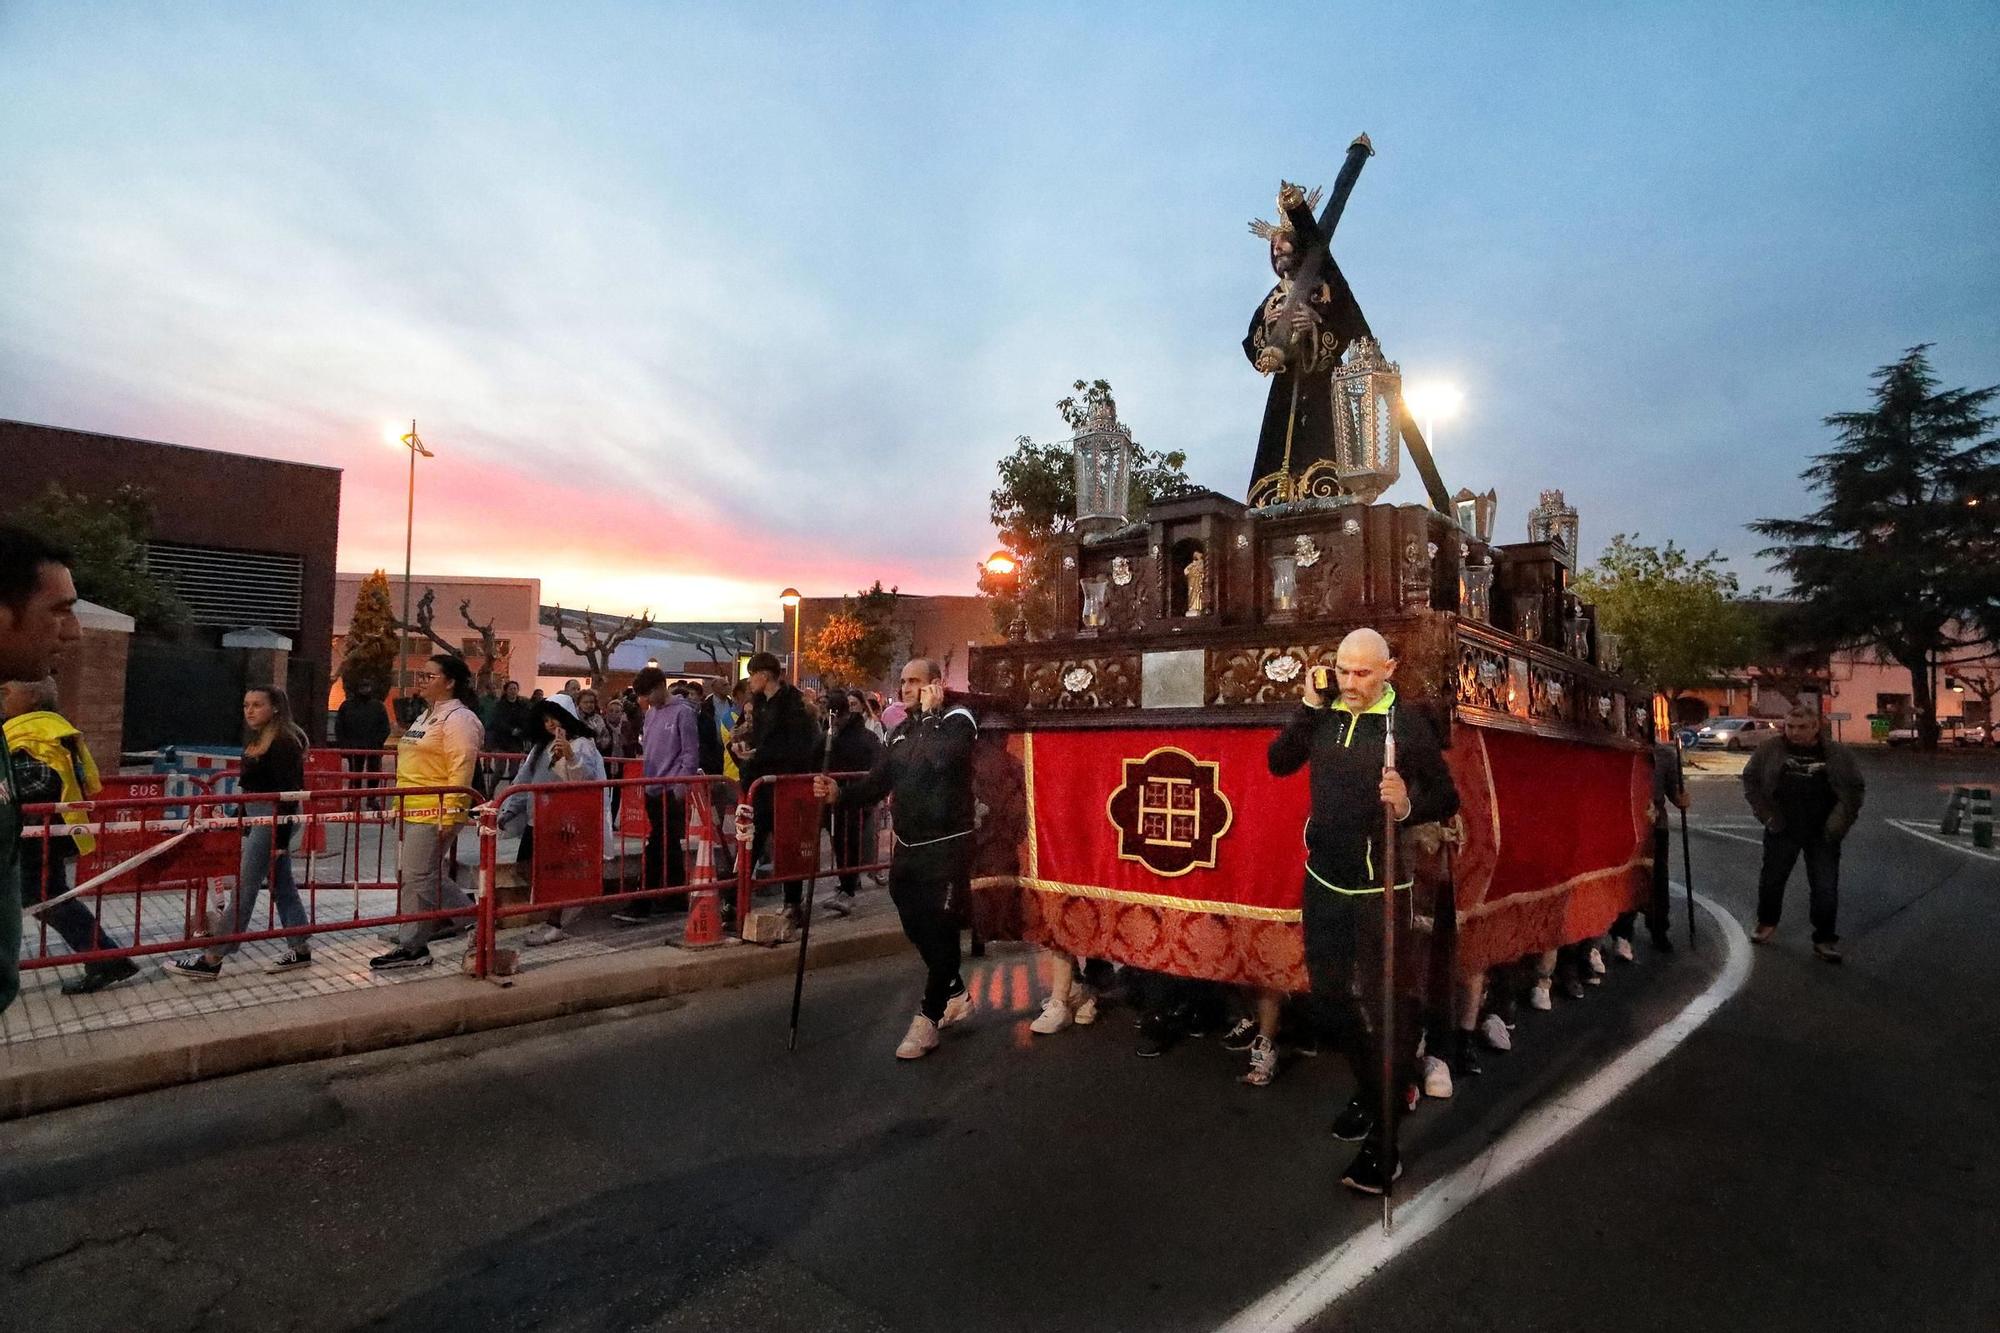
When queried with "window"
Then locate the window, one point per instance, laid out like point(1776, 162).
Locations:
point(231, 589)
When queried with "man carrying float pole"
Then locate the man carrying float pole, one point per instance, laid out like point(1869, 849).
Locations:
point(928, 768)
point(1344, 740)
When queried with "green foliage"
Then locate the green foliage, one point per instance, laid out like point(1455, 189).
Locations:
point(1035, 505)
point(371, 646)
point(856, 645)
point(107, 536)
point(1677, 620)
point(1902, 554)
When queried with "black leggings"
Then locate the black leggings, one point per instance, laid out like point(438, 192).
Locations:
point(929, 887)
point(1344, 959)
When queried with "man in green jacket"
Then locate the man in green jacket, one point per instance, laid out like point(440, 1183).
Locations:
point(37, 623)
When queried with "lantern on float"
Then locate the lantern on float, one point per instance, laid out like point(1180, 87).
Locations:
point(1367, 421)
point(1103, 450)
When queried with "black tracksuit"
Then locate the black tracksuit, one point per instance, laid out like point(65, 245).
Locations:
point(784, 739)
point(928, 768)
point(854, 749)
point(1342, 906)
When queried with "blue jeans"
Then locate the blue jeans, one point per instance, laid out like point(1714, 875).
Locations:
point(257, 861)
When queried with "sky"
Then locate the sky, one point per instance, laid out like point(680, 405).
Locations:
point(696, 302)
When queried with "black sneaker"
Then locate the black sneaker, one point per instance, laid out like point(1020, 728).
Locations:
point(290, 960)
point(1465, 1055)
point(1364, 1174)
point(1355, 1123)
point(101, 976)
point(840, 904)
point(1241, 1036)
point(448, 930)
point(1157, 1035)
point(1661, 944)
point(1826, 952)
point(195, 967)
point(400, 957)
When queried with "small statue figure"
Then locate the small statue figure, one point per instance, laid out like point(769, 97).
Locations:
point(1197, 583)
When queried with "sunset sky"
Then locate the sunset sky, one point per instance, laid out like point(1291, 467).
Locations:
point(696, 302)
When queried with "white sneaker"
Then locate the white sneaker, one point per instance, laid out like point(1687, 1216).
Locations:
point(1494, 1033)
point(957, 1009)
point(1263, 1063)
point(1083, 1012)
point(1056, 1015)
point(546, 933)
point(1622, 949)
point(919, 1041)
point(1596, 960)
point(1540, 997)
point(1437, 1077)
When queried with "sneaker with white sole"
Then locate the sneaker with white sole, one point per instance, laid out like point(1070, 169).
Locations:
point(919, 1041)
point(1595, 960)
point(1542, 997)
point(546, 933)
point(291, 960)
point(1263, 1063)
point(839, 904)
point(1083, 1006)
point(1494, 1033)
point(1621, 949)
point(1437, 1078)
point(1055, 1016)
point(957, 1009)
point(1241, 1037)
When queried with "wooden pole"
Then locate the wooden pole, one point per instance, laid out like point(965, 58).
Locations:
point(1390, 1091)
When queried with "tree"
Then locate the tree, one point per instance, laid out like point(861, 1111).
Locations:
point(106, 536)
point(369, 655)
point(489, 646)
point(1035, 505)
point(1677, 620)
point(1901, 556)
point(595, 649)
point(856, 645)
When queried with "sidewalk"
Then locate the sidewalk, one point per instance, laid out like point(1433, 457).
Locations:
point(159, 1029)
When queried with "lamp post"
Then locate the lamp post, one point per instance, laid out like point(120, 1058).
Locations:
point(1006, 570)
point(1432, 403)
point(789, 599)
point(416, 446)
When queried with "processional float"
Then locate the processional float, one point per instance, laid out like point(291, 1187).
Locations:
point(1128, 812)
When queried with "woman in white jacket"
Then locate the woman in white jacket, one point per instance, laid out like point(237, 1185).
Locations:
point(563, 752)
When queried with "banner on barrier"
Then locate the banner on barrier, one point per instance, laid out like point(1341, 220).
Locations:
point(795, 821)
point(569, 845)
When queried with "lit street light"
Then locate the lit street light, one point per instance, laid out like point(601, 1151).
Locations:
point(1006, 571)
point(1431, 403)
point(789, 599)
point(416, 446)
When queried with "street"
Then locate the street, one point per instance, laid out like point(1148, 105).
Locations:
point(1819, 1153)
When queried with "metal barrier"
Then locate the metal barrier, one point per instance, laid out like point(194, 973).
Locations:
point(192, 844)
point(796, 819)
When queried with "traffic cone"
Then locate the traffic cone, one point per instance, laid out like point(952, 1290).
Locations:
point(1954, 812)
point(703, 927)
point(1980, 810)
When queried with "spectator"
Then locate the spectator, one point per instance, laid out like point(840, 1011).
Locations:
point(37, 624)
point(783, 740)
point(571, 688)
point(273, 761)
point(563, 752)
point(1669, 785)
point(852, 748)
point(439, 750)
point(52, 763)
point(1806, 791)
point(602, 733)
point(669, 748)
point(362, 723)
point(708, 735)
point(507, 728)
point(869, 708)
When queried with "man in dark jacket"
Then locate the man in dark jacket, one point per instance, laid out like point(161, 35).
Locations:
point(1806, 791)
point(851, 748)
point(784, 739)
point(362, 723)
point(1344, 741)
point(927, 766)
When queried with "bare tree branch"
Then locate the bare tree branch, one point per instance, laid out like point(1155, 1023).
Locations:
point(596, 649)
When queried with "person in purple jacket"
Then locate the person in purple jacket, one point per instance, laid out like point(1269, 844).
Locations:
point(669, 747)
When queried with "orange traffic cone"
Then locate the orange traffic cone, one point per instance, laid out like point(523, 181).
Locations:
point(703, 928)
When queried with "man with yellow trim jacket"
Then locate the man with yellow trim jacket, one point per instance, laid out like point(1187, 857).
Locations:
point(1343, 741)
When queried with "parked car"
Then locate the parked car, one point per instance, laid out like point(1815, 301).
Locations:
point(1901, 736)
point(1735, 733)
point(1975, 734)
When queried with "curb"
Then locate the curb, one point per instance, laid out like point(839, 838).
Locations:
point(149, 1056)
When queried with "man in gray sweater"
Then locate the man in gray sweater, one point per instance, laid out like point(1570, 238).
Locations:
point(1806, 791)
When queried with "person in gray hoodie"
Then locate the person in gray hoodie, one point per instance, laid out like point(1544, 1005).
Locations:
point(1806, 791)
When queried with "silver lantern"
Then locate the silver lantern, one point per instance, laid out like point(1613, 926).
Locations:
point(1474, 513)
point(1554, 521)
point(1103, 451)
point(1367, 421)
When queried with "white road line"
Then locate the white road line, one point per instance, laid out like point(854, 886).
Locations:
point(1912, 826)
point(1715, 832)
point(1340, 1270)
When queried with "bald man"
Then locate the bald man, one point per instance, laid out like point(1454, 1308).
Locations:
point(1342, 738)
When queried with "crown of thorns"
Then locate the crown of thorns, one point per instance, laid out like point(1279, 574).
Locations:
point(1266, 230)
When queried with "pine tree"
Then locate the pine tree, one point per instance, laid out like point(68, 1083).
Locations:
point(1902, 555)
point(372, 642)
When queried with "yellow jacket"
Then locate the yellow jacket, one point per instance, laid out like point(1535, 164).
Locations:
point(440, 749)
point(43, 735)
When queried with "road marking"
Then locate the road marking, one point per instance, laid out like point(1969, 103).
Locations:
point(1914, 826)
point(1721, 832)
point(1315, 1288)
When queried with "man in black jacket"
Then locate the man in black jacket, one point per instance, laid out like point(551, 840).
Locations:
point(1806, 791)
point(928, 768)
point(783, 739)
point(362, 723)
point(1343, 739)
point(851, 748)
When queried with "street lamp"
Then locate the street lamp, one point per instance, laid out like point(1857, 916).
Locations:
point(1006, 571)
point(789, 599)
point(1431, 403)
point(416, 446)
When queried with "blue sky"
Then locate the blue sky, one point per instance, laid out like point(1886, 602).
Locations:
point(696, 302)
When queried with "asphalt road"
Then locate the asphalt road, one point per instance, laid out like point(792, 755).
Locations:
point(1821, 1152)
